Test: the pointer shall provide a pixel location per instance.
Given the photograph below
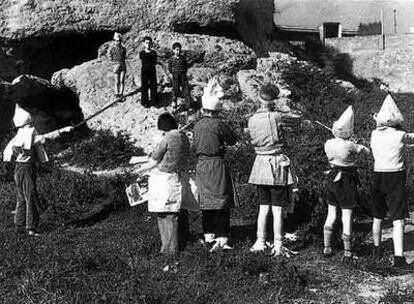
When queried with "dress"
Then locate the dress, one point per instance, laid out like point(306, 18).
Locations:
point(213, 178)
point(166, 190)
point(271, 165)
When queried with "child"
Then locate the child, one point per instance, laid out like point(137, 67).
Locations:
point(388, 186)
point(148, 73)
point(213, 179)
point(165, 186)
point(271, 170)
point(117, 54)
point(342, 180)
point(27, 145)
point(177, 66)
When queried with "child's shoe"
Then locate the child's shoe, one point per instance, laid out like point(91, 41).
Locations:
point(327, 252)
point(33, 233)
point(259, 246)
point(401, 263)
point(221, 244)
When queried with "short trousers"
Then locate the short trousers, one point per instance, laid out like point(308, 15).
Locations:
point(344, 192)
point(119, 67)
point(389, 194)
point(273, 195)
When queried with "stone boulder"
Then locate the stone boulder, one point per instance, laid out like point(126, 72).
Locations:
point(93, 81)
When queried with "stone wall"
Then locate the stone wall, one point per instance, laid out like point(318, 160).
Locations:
point(394, 65)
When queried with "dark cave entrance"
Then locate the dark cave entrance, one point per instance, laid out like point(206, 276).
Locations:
point(42, 56)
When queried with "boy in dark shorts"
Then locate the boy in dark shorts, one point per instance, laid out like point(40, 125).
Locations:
point(148, 73)
point(117, 54)
point(342, 180)
point(388, 185)
point(178, 67)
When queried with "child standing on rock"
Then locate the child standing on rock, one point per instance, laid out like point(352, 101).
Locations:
point(177, 66)
point(148, 73)
point(388, 186)
point(27, 147)
point(117, 54)
point(213, 178)
point(271, 170)
point(342, 181)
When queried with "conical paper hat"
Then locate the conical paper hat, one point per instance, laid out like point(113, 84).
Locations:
point(389, 114)
point(21, 117)
point(344, 126)
point(211, 96)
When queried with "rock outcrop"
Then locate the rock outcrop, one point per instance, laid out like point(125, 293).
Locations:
point(94, 84)
point(26, 18)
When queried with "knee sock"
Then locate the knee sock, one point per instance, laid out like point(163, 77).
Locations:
point(327, 235)
point(347, 244)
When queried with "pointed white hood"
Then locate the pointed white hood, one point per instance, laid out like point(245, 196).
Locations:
point(344, 126)
point(389, 114)
point(21, 117)
point(213, 92)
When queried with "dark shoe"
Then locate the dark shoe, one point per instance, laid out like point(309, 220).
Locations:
point(327, 253)
point(401, 263)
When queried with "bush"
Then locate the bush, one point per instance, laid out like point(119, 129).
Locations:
point(104, 150)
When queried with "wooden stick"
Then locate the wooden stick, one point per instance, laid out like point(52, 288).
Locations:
point(96, 113)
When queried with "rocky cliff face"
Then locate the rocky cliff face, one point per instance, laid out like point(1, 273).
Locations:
point(26, 18)
point(41, 37)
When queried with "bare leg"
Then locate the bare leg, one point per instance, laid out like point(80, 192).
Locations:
point(347, 230)
point(260, 243)
point(327, 229)
point(277, 229)
point(376, 231)
point(398, 237)
point(121, 82)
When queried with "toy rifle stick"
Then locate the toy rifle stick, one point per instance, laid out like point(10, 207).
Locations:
point(322, 125)
point(105, 107)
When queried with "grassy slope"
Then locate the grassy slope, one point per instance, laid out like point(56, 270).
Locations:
point(116, 260)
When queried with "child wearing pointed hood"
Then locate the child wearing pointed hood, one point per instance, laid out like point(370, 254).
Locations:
point(342, 180)
point(388, 186)
point(27, 149)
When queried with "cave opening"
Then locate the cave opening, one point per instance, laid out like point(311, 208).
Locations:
point(220, 29)
point(42, 56)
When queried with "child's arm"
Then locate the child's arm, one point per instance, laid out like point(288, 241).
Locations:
point(363, 149)
point(40, 139)
point(151, 164)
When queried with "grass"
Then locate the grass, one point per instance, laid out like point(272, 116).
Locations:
point(98, 250)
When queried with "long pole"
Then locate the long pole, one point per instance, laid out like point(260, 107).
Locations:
point(96, 113)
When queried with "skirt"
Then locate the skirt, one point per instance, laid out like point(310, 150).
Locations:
point(214, 184)
point(272, 170)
